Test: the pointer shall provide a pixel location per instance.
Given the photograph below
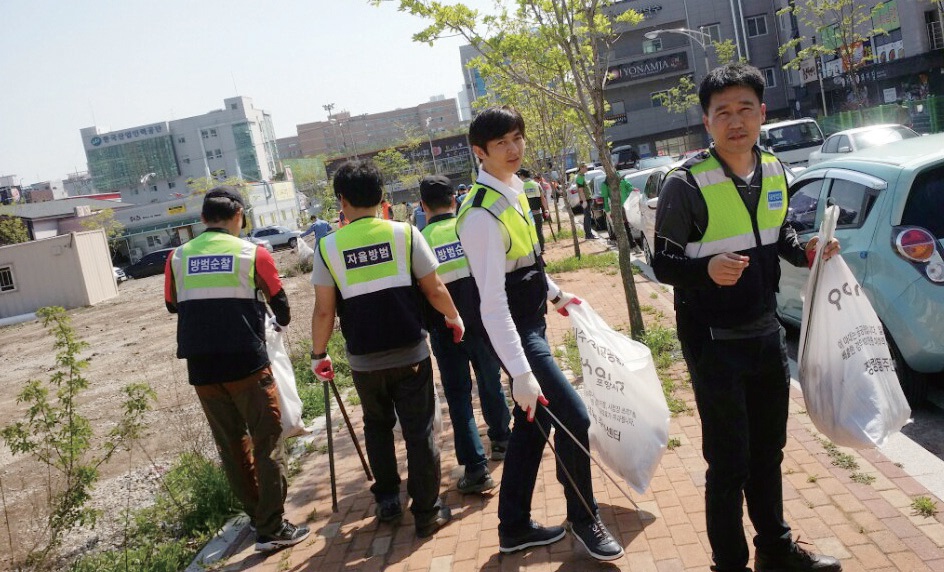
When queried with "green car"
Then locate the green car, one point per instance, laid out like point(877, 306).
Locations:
point(891, 228)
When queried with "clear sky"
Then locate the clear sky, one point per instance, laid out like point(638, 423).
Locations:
point(66, 65)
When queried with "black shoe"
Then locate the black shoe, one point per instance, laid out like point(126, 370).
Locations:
point(426, 529)
point(389, 510)
point(597, 539)
point(499, 448)
point(795, 559)
point(534, 535)
point(288, 535)
point(476, 483)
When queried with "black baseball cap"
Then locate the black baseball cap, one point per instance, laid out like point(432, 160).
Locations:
point(435, 186)
point(225, 192)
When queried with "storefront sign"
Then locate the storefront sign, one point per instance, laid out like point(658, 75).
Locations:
point(176, 210)
point(889, 52)
point(808, 71)
point(885, 16)
point(890, 95)
point(640, 69)
point(128, 135)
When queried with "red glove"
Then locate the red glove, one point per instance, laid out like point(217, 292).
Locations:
point(562, 300)
point(322, 368)
point(457, 327)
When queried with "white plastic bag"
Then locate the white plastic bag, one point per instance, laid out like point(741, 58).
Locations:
point(849, 383)
point(632, 208)
point(305, 252)
point(289, 401)
point(629, 418)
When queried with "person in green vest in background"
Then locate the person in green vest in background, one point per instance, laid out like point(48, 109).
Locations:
point(373, 273)
point(536, 201)
point(453, 359)
point(625, 188)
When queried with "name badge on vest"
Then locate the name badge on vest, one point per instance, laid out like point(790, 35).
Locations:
point(368, 255)
point(449, 252)
point(775, 200)
point(210, 264)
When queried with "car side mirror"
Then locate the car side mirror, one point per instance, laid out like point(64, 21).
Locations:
point(653, 203)
point(845, 149)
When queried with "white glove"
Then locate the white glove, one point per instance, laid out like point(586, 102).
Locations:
point(270, 321)
point(322, 368)
point(562, 300)
point(457, 327)
point(527, 393)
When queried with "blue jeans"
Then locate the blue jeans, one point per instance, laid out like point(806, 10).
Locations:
point(453, 360)
point(526, 446)
point(408, 391)
point(742, 390)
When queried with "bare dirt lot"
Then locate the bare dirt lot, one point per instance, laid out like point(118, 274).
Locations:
point(132, 339)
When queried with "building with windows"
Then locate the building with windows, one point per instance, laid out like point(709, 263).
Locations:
point(152, 163)
point(350, 135)
point(474, 85)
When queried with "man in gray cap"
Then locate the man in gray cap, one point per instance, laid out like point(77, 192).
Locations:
point(213, 283)
point(462, 190)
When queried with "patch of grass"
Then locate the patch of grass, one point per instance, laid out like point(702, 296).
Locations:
point(565, 233)
point(646, 309)
point(353, 398)
point(789, 471)
point(862, 478)
point(839, 459)
point(310, 390)
point(674, 443)
point(924, 506)
point(663, 344)
point(570, 355)
point(812, 479)
point(604, 260)
point(653, 295)
point(297, 268)
point(900, 465)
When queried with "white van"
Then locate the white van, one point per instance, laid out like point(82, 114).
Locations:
point(791, 141)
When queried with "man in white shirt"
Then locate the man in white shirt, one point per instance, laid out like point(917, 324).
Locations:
point(500, 241)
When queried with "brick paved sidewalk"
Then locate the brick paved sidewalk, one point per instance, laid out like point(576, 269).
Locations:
point(869, 526)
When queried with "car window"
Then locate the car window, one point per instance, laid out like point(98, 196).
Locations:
point(843, 142)
point(925, 204)
point(854, 200)
point(804, 200)
point(653, 185)
point(831, 145)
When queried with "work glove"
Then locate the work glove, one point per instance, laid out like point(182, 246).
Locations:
point(527, 393)
point(322, 368)
point(562, 300)
point(270, 321)
point(547, 216)
point(457, 327)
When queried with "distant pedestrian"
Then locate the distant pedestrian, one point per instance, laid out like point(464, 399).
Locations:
point(216, 284)
point(319, 227)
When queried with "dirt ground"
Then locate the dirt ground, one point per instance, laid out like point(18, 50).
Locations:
point(131, 338)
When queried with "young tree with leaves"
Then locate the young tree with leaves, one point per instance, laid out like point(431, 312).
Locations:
point(576, 36)
point(842, 27)
point(105, 220)
point(12, 230)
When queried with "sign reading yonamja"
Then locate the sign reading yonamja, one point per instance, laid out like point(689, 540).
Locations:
point(640, 69)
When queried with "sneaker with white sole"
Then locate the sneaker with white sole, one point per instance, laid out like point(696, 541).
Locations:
point(288, 535)
point(533, 535)
point(597, 539)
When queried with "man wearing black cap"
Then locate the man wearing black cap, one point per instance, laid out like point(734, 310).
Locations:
point(216, 284)
point(454, 359)
point(462, 191)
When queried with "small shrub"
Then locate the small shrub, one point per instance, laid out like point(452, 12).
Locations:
point(862, 478)
point(674, 443)
point(604, 260)
point(924, 506)
point(812, 479)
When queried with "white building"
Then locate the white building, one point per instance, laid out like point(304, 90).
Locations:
point(152, 163)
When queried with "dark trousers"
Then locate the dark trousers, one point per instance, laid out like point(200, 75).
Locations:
point(539, 227)
point(405, 392)
point(742, 392)
point(587, 221)
point(526, 445)
point(246, 423)
point(453, 360)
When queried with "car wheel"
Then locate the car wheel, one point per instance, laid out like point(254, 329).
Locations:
point(913, 384)
point(292, 242)
point(646, 251)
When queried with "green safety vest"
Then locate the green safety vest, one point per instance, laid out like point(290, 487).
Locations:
point(521, 238)
point(443, 238)
point(532, 190)
point(730, 226)
point(215, 265)
point(379, 306)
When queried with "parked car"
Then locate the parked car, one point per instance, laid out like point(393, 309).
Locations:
point(573, 196)
point(277, 235)
point(891, 229)
point(120, 275)
point(260, 241)
point(150, 264)
point(791, 141)
point(860, 138)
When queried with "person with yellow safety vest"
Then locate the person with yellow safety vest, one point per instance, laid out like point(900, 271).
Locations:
point(536, 201)
point(720, 232)
point(499, 238)
point(373, 273)
point(218, 284)
point(438, 200)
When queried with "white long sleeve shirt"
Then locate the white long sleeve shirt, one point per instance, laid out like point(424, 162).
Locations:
point(485, 242)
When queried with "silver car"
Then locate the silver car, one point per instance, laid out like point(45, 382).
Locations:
point(843, 142)
point(276, 235)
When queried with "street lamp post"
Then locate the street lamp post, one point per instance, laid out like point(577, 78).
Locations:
point(700, 38)
point(431, 152)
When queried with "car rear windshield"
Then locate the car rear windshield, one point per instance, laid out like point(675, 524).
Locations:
point(925, 206)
